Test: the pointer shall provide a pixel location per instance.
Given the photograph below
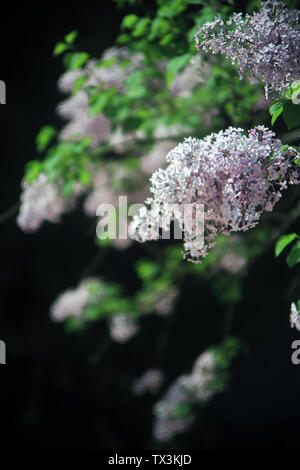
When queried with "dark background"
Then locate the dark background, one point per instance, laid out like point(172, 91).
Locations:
point(61, 391)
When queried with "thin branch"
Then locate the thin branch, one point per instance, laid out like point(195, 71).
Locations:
point(9, 213)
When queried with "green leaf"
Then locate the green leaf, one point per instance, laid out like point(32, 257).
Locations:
point(70, 38)
point(138, 92)
point(291, 115)
point(141, 27)
point(44, 137)
point(147, 270)
point(73, 324)
point(175, 65)
point(78, 84)
point(59, 48)
point(167, 39)
point(84, 177)
point(99, 101)
point(171, 8)
point(92, 312)
point(103, 242)
point(129, 21)
point(107, 63)
point(75, 60)
point(275, 116)
point(67, 189)
point(183, 410)
point(275, 110)
point(283, 242)
point(135, 79)
point(294, 255)
point(84, 143)
point(159, 28)
point(33, 169)
point(123, 39)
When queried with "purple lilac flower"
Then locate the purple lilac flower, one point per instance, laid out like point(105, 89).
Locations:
point(266, 43)
point(236, 177)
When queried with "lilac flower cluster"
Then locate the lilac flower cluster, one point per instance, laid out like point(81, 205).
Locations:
point(173, 413)
point(267, 43)
point(158, 299)
point(42, 201)
point(194, 74)
point(75, 108)
point(235, 176)
point(150, 381)
point(73, 302)
point(122, 327)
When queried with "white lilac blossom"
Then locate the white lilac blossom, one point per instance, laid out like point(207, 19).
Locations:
point(122, 327)
point(232, 262)
point(165, 302)
point(235, 176)
point(173, 414)
point(75, 108)
point(150, 381)
point(112, 75)
point(73, 302)
point(266, 43)
point(42, 201)
point(194, 74)
point(91, 291)
point(294, 317)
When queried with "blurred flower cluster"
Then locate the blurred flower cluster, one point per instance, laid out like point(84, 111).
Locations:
point(174, 412)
